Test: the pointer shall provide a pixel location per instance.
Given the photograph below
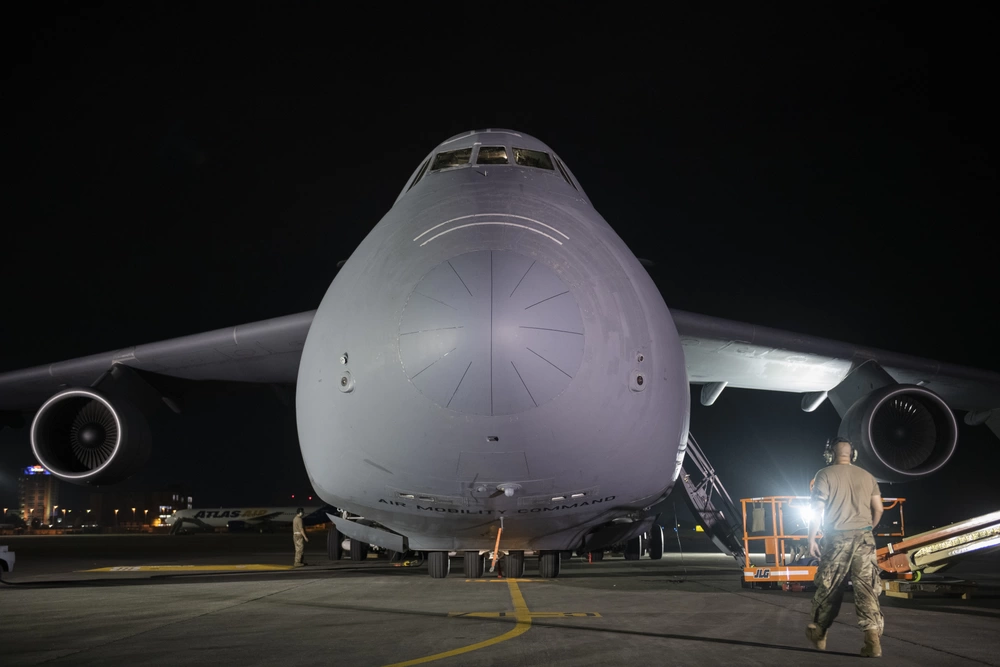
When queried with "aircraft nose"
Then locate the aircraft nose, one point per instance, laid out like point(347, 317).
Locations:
point(491, 332)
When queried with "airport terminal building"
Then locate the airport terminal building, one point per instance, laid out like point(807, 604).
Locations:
point(38, 493)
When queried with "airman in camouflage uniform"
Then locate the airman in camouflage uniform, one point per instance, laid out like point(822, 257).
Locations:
point(299, 538)
point(851, 503)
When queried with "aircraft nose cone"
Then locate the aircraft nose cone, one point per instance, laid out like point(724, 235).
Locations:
point(92, 435)
point(491, 333)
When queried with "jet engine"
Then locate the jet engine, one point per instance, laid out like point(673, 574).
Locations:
point(902, 432)
point(83, 437)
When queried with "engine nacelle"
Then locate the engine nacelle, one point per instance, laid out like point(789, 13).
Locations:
point(902, 432)
point(83, 437)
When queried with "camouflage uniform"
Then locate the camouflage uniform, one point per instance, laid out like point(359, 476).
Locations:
point(298, 537)
point(848, 553)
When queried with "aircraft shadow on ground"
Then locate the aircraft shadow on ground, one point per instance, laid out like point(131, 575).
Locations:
point(202, 579)
point(196, 578)
point(368, 569)
point(985, 604)
point(651, 574)
point(558, 626)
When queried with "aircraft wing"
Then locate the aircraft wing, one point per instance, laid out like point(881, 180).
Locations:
point(267, 352)
point(718, 353)
point(722, 353)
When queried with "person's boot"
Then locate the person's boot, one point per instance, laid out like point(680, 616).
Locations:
point(817, 636)
point(872, 647)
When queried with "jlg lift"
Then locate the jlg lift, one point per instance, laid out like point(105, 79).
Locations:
point(782, 524)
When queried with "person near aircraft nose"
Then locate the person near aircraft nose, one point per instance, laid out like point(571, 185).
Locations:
point(299, 538)
point(850, 504)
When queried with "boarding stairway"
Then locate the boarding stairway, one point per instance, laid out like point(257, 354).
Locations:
point(940, 548)
point(710, 503)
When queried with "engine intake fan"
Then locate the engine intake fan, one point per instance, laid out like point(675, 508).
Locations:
point(902, 432)
point(83, 437)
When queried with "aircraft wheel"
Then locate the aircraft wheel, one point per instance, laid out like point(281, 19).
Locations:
point(514, 564)
point(475, 565)
point(634, 548)
point(548, 564)
point(334, 551)
point(359, 550)
point(438, 564)
point(656, 543)
point(596, 556)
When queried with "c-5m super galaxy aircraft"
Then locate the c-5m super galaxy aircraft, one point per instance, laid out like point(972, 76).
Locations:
point(493, 356)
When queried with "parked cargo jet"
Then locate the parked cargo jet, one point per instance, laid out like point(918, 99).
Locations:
point(493, 356)
point(243, 518)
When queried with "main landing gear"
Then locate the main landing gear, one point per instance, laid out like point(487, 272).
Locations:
point(651, 541)
point(474, 564)
point(334, 548)
point(438, 564)
point(549, 563)
point(512, 565)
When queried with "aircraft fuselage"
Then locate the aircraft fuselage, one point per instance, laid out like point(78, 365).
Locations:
point(492, 349)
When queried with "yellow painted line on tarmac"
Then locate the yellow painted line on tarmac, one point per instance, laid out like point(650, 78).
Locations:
point(190, 568)
point(521, 615)
point(533, 614)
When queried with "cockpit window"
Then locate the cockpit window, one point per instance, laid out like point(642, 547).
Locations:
point(492, 155)
point(529, 158)
point(455, 158)
point(420, 174)
point(562, 170)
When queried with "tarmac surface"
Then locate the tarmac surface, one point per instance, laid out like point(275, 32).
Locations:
point(169, 600)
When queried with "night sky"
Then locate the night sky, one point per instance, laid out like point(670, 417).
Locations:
point(171, 171)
